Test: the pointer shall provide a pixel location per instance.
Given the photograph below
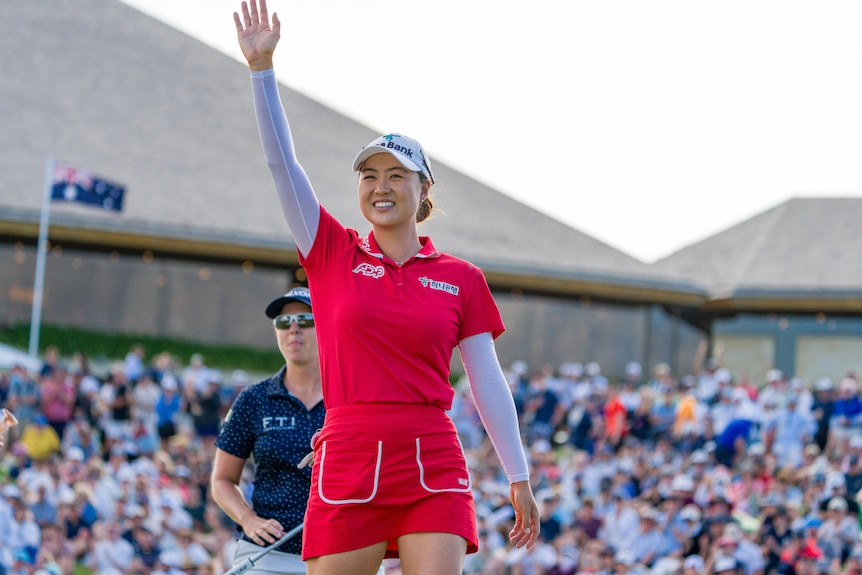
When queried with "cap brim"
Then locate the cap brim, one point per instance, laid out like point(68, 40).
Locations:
point(372, 150)
point(273, 310)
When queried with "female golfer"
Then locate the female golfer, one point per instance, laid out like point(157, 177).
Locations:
point(390, 478)
point(274, 421)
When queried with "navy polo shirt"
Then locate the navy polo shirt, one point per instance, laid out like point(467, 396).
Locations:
point(275, 428)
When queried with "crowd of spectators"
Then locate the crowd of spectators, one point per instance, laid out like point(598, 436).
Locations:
point(657, 474)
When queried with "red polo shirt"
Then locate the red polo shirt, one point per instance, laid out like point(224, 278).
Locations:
point(386, 332)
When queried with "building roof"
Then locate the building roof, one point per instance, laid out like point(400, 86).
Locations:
point(802, 255)
point(102, 86)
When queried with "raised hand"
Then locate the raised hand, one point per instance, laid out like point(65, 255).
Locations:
point(257, 39)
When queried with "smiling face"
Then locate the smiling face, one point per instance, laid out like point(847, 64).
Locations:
point(297, 344)
point(389, 193)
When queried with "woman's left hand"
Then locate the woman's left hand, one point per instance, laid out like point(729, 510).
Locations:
point(526, 529)
point(257, 39)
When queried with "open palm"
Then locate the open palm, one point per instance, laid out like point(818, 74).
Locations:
point(257, 39)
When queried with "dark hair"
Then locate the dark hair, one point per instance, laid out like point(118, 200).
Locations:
point(427, 205)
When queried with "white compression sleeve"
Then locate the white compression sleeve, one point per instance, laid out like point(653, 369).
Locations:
point(494, 403)
point(298, 202)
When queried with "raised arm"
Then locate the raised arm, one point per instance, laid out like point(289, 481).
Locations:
point(257, 40)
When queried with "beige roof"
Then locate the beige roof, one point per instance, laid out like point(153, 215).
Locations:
point(803, 254)
point(107, 88)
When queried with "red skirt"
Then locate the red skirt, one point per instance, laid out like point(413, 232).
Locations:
point(385, 470)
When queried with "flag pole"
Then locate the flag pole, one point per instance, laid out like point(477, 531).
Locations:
point(41, 252)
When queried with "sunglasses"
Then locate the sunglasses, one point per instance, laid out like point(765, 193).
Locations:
point(302, 320)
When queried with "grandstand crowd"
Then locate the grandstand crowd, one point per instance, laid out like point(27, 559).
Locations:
point(658, 474)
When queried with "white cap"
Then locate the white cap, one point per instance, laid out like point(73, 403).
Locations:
point(11, 490)
point(406, 150)
point(824, 384)
point(690, 512)
point(75, 453)
point(699, 456)
point(169, 382)
point(724, 563)
point(837, 504)
point(519, 367)
point(682, 482)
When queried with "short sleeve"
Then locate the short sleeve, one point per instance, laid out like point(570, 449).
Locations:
point(237, 435)
point(480, 310)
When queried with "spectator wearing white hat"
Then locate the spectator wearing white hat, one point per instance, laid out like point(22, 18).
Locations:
point(133, 363)
point(839, 532)
point(195, 376)
point(724, 563)
point(620, 524)
point(79, 434)
point(693, 565)
point(662, 380)
point(630, 395)
point(172, 518)
point(805, 399)
point(144, 397)
point(686, 525)
point(747, 552)
point(793, 431)
point(188, 553)
point(112, 555)
point(704, 369)
point(650, 542)
point(21, 533)
point(725, 409)
point(624, 563)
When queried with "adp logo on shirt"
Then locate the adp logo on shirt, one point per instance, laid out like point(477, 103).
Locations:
point(369, 270)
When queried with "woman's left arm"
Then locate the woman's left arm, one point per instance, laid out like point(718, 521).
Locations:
point(496, 408)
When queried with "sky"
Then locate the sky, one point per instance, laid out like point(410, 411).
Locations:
point(649, 125)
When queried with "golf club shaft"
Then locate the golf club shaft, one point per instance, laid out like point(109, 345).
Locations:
point(249, 563)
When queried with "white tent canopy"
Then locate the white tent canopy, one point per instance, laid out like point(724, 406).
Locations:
point(10, 357)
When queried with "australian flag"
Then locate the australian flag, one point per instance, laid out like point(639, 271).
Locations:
point(77, 185)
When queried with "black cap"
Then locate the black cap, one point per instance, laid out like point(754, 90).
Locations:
point(300, 294)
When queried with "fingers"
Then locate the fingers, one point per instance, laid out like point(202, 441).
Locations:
point(264, 15)
point(521, 535)
point(255, 18)
point(246, 17)
point(526, 529)
point(253, 15)
point(265, 532)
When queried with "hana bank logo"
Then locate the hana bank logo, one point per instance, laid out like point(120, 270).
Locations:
point(369, 270)
point(438, 285)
